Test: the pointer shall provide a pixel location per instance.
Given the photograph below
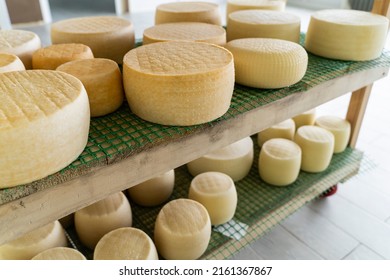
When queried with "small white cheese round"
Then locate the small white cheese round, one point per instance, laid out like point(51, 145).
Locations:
point(305, 118)
point(339, 127)
point(60, 253)
point(10, 62)
point(284, 129)
point(238, 5)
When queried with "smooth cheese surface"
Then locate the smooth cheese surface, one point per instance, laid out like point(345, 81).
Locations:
point(339, 127)
point(305, 118)
point(284, 129)
point(179, 83)
point(237, 5)
point(10, 62)
point(44, 124)
point(60, 253)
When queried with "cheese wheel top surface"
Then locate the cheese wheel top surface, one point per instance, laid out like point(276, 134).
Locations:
point(254, 3)
point(89, 68)
point(236, 149)
point(315, 134)
point(7, 58)
point(284, 124)
point(14, 38)
point(265, 17)
point(60, 253)
point(266, 46)
point(212, 183)
point(333, 123)
point(35, 236)
point(350, 17)
point(69, 51)
point(187, 7)
point(281, 148)
point(108, 205)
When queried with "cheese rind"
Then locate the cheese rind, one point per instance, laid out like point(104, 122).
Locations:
point(60, 253)
point(285, 129)
point(10, 62)
point(238, 5)
point(305, 118)
point(339, 127)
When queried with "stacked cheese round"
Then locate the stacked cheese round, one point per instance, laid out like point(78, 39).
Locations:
point(60, 253)
point(185, 31)
point(94, 221)
point(339, 127)
point(317, 146)
point(285, 130)
point(44, 124)
point(182, 230)
point(279, 162)
point(263, 24)
point(179, 83)
point(346, 34)
point(305, 118)
point(188, 11)
point(268, 63)
point(238, 5)
point(234, 160)
point(108, 36)
point(26, 247)
point(10, 62)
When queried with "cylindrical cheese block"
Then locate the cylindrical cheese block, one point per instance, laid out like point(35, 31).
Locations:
point(263, 24)
point(60, 253)
point(234, 160)
point(215, 191)
point(188, 11)
point(94, 221)
point(279, 162)
point(305, 118)
point(179, 83)
point(285, 130)
point(185, 31)
point(108, 36)
point(102, 79)
point(317, 146)
point(21, 43)
point(125, 243)
point(10, 62)
point(153, 191)
point(34, 242)
point(339, 127)
point(268, 63)
point(182, 230)
point(346, 34)
point(238, 5)
point(44, 124)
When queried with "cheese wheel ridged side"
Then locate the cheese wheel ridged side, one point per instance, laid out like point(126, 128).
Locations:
point(305, 118)
point(60, 253)
point(238, 5)
point(285, 130)
point(10, 62)
point(339, 127)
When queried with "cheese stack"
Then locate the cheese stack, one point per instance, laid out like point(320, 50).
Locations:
point(285, 130)
point(339, 127)
point(10, 62)
point(305, 118)
point(60, 253)
point(237, 5)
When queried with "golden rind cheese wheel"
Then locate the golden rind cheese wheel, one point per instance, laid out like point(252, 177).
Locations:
point(10, 62)
point(284, 129)
point(305, 118)
point(238, 5)
point(60, 253)
point(339, 127)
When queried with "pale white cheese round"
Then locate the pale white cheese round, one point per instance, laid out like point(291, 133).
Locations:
point(10, 62)
point(284, 129)
point(339, 127)
point(305, 118)
point(60, 253)
point(238, 5)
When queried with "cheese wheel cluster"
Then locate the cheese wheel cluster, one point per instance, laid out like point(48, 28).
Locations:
point(10, 62)
point(182, 230)
point(108, 36)
point(60, 253)
point(268, 63)
point(284, 129)
point(263, 24)
point(238, 5)
point(346, 34)
point(305, 118)
point(94, 221)
point(188, 12)
point(339, 127)
point(21, 43)
point(44, 124)
point(179, 83)
point(234, 160)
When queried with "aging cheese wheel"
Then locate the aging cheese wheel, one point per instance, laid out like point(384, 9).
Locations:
point(182, 230)
point(60, 253)
point(305, 118)
point(125, 243)
point(346, 34)
point(10, 62)
point(268, 63)
point(339, 127)
point(234, 160)
point(108, 36)
point(188, 11)
point(237, 5)
point(179, 83)
point(285, 129)
point(94, 221)
point(21, 43)
point(34, 242)
point(44, 124)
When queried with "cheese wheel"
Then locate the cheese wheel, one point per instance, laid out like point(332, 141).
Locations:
point(188, 11)
point(44, 124)
point(182, 230)
point(284, 129)
point(185, 31)
point(94, 221)
point(21, 43)
point(108, 36)
point(317, 146)
point(305, 118)
point(53, 56)
point(102, 79)
point(237, 5)
point(125, 244)
point(10, 62)
point(346, 34)
point(279, 162)
point(179, 83)
point(59, 253)
point(234, 160)
point(34, 242)
point(154, 191)
point(215, 191)
point(339, 127)
point(263, 24)
point(268, 63)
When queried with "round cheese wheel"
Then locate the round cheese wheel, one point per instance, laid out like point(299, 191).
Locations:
point(60, 253)
point(125, 243)
point(285, 129)
point(188, 11)
point(21, 43)
point(215, 191)
point(263, 24)
point(108, 36)
point(102, 79)
point(305, 118)
point(339, 127)
point(185, 31)
point(317, 146)
point(179, 83)
point(234, 160)
point(34, 242)
point(237, 5)
point(279, 162)
point(44, 124)
point(346, 34)
point(10, 62)
point(94, 221)
point(182, 230)
point(268, 63)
